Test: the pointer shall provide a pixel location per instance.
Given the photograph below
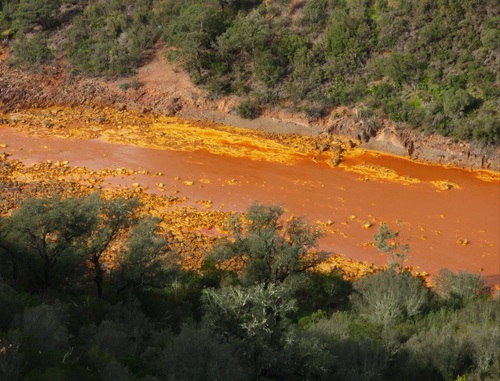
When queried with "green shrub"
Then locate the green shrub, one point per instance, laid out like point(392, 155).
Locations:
point(457, 102)
point(41, 12)
point(483, 348)
point(359, 360)
point(270, 249)
point(437, 351)
point(389, 297)
point(109, 38)
point(248, 109)
point(320, 291)
point(196, 355)
point(46, 323)
point(31, 53)
point(461, 288)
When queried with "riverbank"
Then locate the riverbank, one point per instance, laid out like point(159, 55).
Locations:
point(202, 172)
point(160, 89)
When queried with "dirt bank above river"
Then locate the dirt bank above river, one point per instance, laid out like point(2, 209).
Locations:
point(161, 89)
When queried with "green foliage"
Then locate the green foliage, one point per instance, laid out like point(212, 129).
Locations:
point(193, 32)
point(440, 350)
point(256, 320)
point(271, 250)
point(49, 242)
point(109, 38)
point(148, 261)
point(248, 109)
point(12, 304)
point(461, 288)
point(252, 312)
point(109, 221)
point(268, 69)
point(457, 101)
point(388, 297)
point(438, 57)
point(41, 12)
point(196, 355)
point(45, 324)
point(486, 126)
point(175, 325)
point(360, 360)
point(31, 53)
point(42, 236)
point(385, 243)
point(321, 291)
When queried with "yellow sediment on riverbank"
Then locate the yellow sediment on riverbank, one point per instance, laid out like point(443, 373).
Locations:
point(191, 232)
point(192, 224)
point(159, 132)
point(170, 133)
point(376, 172)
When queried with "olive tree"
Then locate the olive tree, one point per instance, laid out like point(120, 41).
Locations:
point(270, 249)
point(147, 260)
point(42, 237)
point(255, 320)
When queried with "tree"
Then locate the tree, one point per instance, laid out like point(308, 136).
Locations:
point(147, 260)
point(43, 235)
point(247, 35)
point(269, 249)
point(248, 312)
point(196, 355)
point(385, 243)
point(255, 320)
point(110, 220)
point(193, 32)
point(52, 239)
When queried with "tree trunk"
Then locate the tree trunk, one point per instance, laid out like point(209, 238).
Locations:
point(99, 279)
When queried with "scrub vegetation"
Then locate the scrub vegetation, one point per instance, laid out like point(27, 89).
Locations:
point(427, 64)
point(92, 289)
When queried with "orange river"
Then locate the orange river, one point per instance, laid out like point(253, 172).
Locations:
point(433, 221)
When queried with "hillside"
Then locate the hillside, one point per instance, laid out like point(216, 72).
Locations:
point(397, 75)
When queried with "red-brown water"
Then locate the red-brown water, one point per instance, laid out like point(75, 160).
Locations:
point(432, 220)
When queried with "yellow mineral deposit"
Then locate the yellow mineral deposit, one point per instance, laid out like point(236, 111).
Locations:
point(188, 224)
point(376, 172)
point(444, 185)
